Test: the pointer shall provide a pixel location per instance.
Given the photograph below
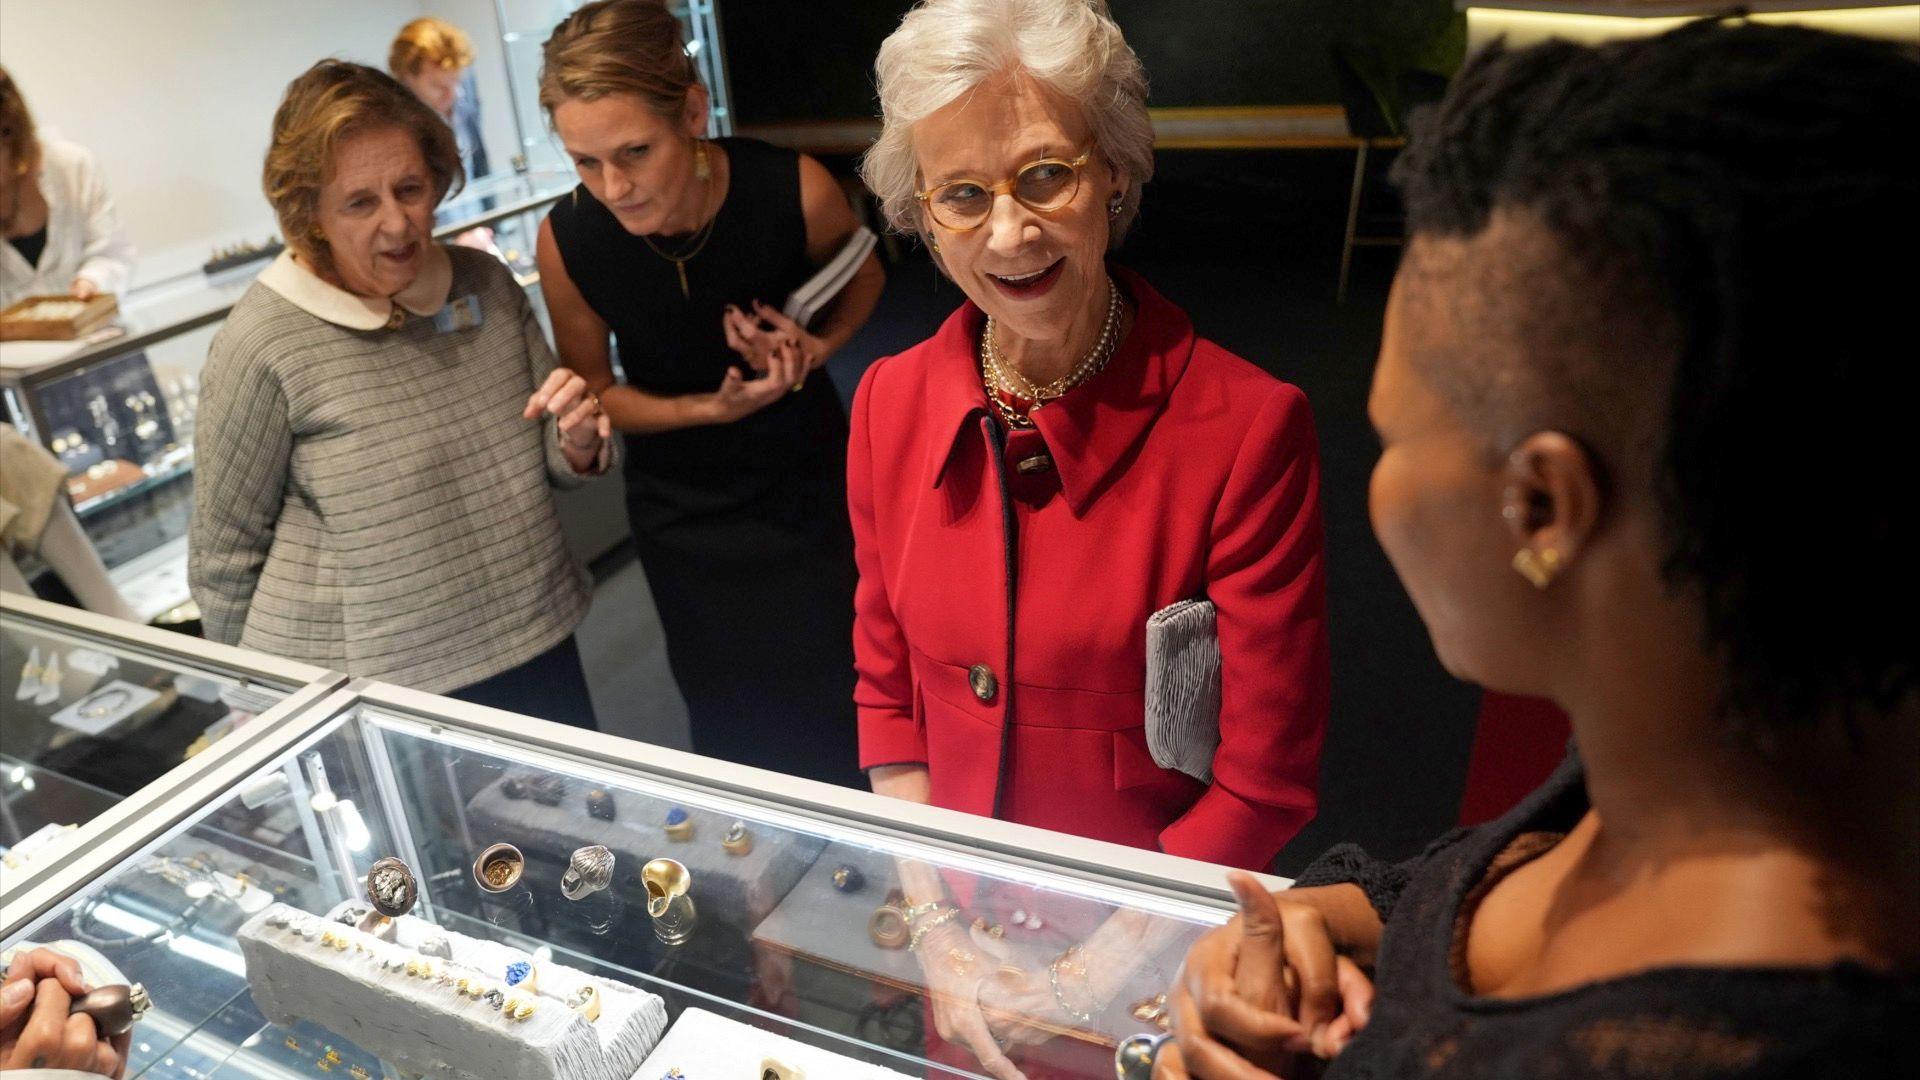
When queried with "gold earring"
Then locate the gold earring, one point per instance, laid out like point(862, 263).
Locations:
point(1538, 568)
point(702, 168)
point(935, 245)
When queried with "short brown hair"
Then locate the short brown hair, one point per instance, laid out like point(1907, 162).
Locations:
point(428, 42)
point(617, 47)
point(16, 128)
point(332, 100)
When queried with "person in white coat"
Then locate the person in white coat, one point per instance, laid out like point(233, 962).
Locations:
point(59, 232)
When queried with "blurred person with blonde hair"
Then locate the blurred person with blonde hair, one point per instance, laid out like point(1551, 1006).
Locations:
point(434, 59)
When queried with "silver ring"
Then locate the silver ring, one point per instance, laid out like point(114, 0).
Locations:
point(589, 871)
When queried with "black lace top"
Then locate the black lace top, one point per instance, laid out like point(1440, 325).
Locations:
point(1672, 1023)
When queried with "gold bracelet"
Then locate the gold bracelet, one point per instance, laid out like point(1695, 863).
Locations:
point(921, 931)
point(915, 912)
point(1059, 995)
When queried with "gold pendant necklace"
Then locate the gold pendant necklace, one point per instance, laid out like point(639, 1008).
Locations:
point(680, 261)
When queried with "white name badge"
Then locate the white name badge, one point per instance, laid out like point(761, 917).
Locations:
point(462, 313)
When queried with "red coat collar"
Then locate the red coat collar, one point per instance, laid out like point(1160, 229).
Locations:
point(1090, 431)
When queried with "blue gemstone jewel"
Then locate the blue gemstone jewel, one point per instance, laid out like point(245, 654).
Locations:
point(517, 972)
point(676, 815)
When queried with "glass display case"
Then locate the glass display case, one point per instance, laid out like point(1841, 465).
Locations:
point(395, 884)
point(95, 709)
point(119, 408)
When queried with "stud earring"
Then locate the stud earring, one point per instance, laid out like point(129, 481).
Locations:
point(1114, 204)
point(1538, 568)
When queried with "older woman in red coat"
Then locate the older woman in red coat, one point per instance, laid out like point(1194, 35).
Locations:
point(1064, 458)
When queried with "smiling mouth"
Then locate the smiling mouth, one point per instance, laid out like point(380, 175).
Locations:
point(403, 254)
point(1032, 283)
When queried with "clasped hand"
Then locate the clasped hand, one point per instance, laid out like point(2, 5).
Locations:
point(35, 1030)
point(1265, 995)
point(772, 344)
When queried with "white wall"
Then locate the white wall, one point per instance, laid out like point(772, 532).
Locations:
point(176, 97)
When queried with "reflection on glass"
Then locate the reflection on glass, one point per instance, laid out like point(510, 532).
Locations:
point(88, 724)
point(771, 943)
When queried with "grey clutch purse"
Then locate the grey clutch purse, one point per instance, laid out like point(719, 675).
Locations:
point(1183, 688)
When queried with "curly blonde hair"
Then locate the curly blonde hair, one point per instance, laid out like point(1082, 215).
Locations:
point(329, 102)
point(429, 42)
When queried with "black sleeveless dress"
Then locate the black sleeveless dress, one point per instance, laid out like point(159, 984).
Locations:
point(742, 528)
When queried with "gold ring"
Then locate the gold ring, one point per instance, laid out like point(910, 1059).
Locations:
point(799, 386)
point(498, 868)
point(888, 927)
point(587, 1001)
point(738, 840)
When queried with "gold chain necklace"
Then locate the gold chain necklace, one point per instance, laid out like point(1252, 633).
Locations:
point(998, 375)
point(701, 236)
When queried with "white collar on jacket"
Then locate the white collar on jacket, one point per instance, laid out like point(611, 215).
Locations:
point(312, 294)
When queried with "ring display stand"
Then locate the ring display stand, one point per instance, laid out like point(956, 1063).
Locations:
point(433, 1030)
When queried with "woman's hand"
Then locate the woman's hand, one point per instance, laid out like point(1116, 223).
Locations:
point(35, 1030)
point(813, 349)
point(747, 336)
point(1016, 1000)
point(584, 428)
point(1257, 995)
point(954, 987)
point(740, 396)
point(83, 289)
point(910, 782)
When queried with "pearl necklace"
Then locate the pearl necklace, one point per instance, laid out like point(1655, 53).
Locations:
point(999, 375)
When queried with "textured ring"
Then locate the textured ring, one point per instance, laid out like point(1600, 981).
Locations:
point(888, 927)
point(588, 871)
point(391, 887)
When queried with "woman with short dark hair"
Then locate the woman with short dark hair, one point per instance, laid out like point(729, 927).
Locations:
point(1642, 455)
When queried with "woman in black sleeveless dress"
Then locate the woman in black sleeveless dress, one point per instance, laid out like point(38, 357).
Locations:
point(684, 249)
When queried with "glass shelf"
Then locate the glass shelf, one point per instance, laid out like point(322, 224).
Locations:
point(779, 952)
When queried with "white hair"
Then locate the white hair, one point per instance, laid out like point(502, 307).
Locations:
point(944, 48)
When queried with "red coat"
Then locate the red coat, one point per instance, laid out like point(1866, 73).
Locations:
point(1180, 471)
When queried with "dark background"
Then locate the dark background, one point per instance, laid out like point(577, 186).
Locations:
point(1249, 243)
point(814, 61)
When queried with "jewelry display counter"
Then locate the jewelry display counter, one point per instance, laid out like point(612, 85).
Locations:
point(390, 883)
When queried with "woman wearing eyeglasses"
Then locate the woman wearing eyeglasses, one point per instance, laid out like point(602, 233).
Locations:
point(1065, 457)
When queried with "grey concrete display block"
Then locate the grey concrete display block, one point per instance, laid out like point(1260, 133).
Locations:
point(729, 890)
point(432, 1030)
point(826, 926)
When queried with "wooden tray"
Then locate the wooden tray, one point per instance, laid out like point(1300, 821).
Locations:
point(29, 321)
